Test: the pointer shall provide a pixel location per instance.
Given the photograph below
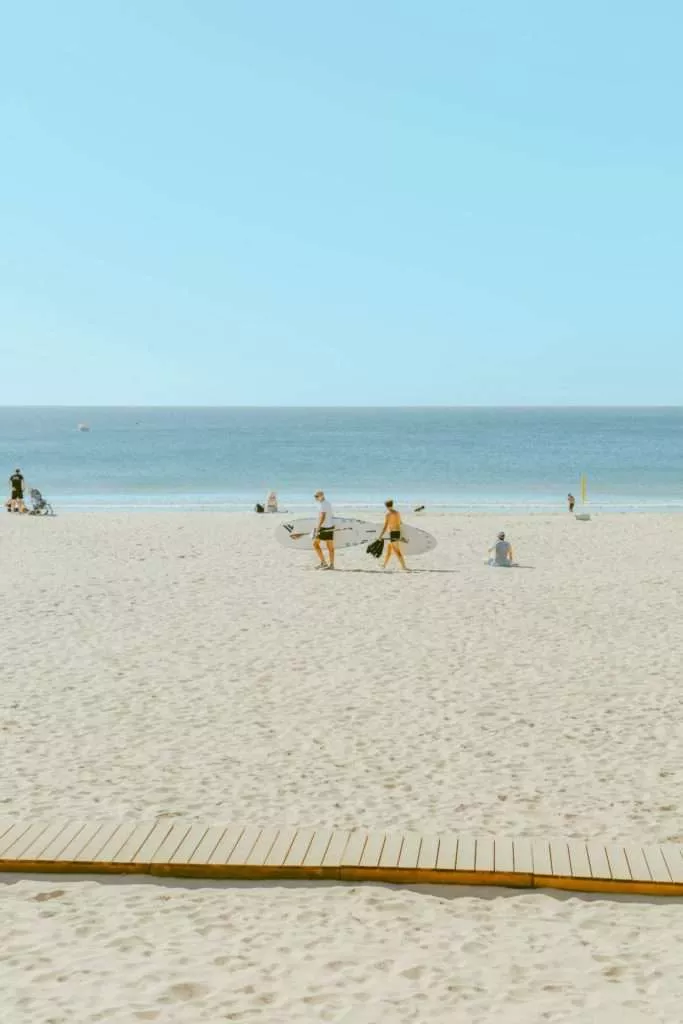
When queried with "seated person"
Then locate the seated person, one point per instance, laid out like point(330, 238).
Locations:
point(503, 555)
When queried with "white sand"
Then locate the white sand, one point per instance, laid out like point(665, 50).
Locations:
point(185, 665)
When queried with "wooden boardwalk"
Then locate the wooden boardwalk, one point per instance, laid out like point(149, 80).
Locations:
point(173, 848)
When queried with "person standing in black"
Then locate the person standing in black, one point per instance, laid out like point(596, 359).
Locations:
point(571, 501)
point(17, 494)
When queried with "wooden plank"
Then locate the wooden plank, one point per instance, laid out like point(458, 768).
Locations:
point(674, 861)
point(242, 849)
point(163, 854)
point(466, 855)
point(53, 829)
point(484, 858)
point(226, 844)
point(189, 844)
point(208, 844)
point(315, 853)
point(373, 850)
point(618, 864)
point(565, 863)
point(410, 851)
point(258, 855)
point(391, 851)
point(12, 835)
point(540, 852)
point(637, 864)
point(656, 864)
point(335, 851)
point(429, 853)
point(598, 860)
point(15, 850)
point(127, 853)
point(466, 858)
point(81, 842)
point(153, 841)
point(100, 840)
point(354, 848)
point(448, 852)
point(559, 858)
point(299, 848)
point(522, 856)
point(578, 858)
point(6, 824)
point(281, 847)
point(503, 856)
point(53, 850)
point(112, 843)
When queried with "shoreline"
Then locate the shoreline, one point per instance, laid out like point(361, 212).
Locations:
point(295, 509)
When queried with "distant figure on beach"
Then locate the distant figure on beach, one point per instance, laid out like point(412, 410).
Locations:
point(503, 555)
point(16, 482)
point(392, 526)
point(571, 501)
point(324, 532)
point(271, 502)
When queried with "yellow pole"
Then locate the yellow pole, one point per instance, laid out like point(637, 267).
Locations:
point(583, 489)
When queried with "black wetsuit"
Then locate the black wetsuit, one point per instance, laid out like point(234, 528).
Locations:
point(17, 482)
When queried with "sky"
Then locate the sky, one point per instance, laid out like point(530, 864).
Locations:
point(369, 203)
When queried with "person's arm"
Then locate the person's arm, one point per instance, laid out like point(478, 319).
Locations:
point(384, 528)
point(511, 554)
point(321, 518)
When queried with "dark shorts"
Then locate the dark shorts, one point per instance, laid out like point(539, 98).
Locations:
point(326, 533)
point(395, 536)
point(17, 494)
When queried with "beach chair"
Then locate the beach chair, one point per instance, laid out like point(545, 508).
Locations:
point(39, 506)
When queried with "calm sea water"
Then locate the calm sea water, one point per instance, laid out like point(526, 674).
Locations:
point(458, 458)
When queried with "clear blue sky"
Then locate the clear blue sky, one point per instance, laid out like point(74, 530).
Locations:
point(386, 202)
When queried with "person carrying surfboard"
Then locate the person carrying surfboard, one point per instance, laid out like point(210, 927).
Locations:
point(324, 532)
point(392, 526)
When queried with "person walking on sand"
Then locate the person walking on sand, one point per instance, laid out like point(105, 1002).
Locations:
point(392, 526)
point(502, 552)
point(324, 532)
point(571, 501)
point(16, 482)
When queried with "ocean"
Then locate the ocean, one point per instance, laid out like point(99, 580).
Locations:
point(450, 458)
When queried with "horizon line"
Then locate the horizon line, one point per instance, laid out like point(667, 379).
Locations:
point(345, 407)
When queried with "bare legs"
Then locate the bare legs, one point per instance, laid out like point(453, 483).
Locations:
point(329, 544)
point(394, 549)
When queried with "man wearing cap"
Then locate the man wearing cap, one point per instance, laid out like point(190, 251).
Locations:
point(502, 552)
point(324, 532)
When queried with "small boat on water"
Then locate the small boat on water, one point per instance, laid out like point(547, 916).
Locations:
point(84, 428)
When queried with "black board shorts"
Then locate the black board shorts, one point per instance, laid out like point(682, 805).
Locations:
point(326, 533)
point(395, 536)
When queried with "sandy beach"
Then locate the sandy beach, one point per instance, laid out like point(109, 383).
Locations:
point(185, 665)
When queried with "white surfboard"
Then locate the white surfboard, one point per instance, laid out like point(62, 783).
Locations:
point(348, 533)
point(414, 541)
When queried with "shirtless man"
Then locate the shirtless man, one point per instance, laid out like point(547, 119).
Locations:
point(324, 532)
point(392, 526)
